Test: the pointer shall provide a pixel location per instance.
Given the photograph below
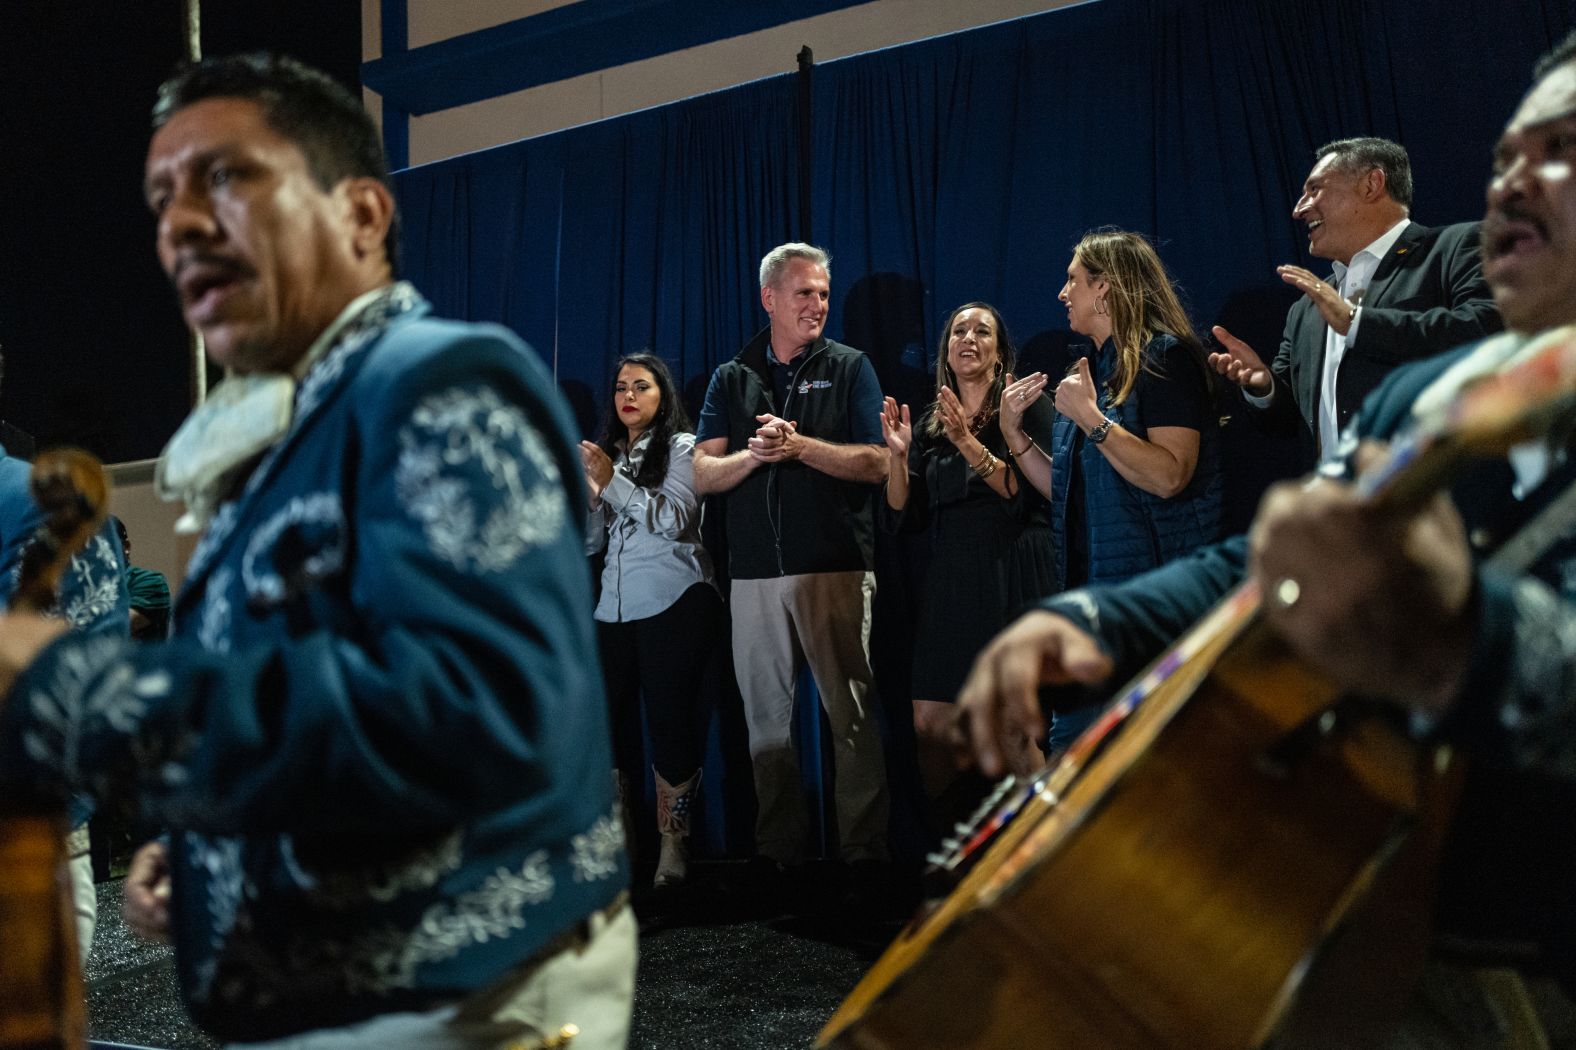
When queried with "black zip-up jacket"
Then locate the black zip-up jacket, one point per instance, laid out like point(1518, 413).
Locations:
point(787, 519)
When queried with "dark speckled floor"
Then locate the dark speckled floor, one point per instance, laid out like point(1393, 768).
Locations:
point(705, 984)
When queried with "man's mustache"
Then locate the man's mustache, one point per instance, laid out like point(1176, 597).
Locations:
point(1499, 227)
point(210, 265)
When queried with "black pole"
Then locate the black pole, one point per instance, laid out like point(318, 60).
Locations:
point(806, 145)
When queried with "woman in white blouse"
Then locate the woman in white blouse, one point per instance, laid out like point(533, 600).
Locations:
point(660, 614)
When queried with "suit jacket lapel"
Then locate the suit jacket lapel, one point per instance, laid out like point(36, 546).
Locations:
point(1390, 265)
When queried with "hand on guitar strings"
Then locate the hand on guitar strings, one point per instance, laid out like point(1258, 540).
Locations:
point(1000, 702)
point(1376, 598)
point(22, 637)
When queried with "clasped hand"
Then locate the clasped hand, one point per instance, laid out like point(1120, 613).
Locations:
point(777, 440)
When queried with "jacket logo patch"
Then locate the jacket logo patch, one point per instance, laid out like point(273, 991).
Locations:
point(814, 384)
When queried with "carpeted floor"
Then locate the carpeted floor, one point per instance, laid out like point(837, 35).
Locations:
point(709, 978)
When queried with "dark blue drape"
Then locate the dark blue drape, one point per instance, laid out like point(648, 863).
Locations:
point(966, 168)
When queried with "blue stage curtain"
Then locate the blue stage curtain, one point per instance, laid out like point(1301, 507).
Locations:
point(964, 168)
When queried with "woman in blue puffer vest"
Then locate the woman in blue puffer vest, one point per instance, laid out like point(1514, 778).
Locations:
point(1135, 458)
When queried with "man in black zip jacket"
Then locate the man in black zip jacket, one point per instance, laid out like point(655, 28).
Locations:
point(791, 432)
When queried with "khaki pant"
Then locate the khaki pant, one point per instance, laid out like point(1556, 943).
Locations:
point(823, 620)
point(579, 999)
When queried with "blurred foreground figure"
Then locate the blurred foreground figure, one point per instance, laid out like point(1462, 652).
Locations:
point(377, 737)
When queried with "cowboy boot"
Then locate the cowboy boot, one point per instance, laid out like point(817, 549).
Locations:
point(673, 821)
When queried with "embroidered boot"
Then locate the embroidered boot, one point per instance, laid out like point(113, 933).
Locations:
point(673, 821)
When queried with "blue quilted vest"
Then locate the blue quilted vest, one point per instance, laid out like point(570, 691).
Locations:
point(1129, 530)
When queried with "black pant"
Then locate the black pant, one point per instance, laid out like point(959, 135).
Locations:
point(663, 656)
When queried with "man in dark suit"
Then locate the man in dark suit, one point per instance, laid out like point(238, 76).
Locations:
point(1401, 291)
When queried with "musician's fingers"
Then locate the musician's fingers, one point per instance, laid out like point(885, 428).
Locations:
point(1081, 659)
point(1019, 670)
point(976, 733)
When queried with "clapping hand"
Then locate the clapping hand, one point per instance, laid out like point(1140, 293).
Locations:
point(1238, 362)
point(776, 440)
point(598, 467)
point(954, 421)
point(1335, 310)
point(896, 429)
point(1017, 396)
point(1076, 396)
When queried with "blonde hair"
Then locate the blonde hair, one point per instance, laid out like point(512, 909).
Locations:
point(1140, 298)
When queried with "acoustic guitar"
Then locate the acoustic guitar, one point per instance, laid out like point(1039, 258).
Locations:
point(41, 996)
point(1234, 856)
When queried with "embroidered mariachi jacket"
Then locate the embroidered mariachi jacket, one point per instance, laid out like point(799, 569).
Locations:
point(92, 587)
point(378, 737)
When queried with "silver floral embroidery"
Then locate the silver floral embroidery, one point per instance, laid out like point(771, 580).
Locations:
point(385, 959)
point(594, 855)
point(90, 681)
point(213, 538)
point(1540, 704)
point(347, 888)
point(98, 585)
point(478, 522)
point(318, 508)
point(218, 860)
point(400, 298)
point(214, 616)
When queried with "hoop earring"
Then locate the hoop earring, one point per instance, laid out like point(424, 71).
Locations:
point(1099, 306)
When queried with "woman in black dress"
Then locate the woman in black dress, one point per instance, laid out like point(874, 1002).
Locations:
point(967, 478)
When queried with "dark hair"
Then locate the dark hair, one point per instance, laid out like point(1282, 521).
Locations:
point(670, 419)
point(1361, 155)
point(308, 107)
point(1006, 359)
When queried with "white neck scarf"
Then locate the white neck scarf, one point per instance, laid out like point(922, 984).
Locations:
point(245, 415)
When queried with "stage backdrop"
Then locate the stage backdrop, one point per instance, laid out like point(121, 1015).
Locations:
point(966, 168)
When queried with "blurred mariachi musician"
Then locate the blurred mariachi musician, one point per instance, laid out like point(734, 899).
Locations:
point(92, 601)
point(970, 478)
point(377, 737)
point(660, 616)
point(1482, 654)
point(1401, 291)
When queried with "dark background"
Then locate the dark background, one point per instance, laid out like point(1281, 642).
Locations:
point(95, 350)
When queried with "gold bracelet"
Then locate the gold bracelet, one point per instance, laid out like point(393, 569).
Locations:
point(987, 465)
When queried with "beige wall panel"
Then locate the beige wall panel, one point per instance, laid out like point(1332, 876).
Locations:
point(551, 107)
point(430, 21)
point(668, 78)
point(150, 522)
point(371, 30)
point(839, 34)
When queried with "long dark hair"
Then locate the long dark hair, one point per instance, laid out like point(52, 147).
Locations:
point(1006, 359)
point(670, 419)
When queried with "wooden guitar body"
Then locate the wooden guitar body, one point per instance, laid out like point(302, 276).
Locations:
point(1233, 856)
point(1187, 887)
point(41, 996)
point(41, 999)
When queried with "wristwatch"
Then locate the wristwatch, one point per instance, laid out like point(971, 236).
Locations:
point(1101, 429)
